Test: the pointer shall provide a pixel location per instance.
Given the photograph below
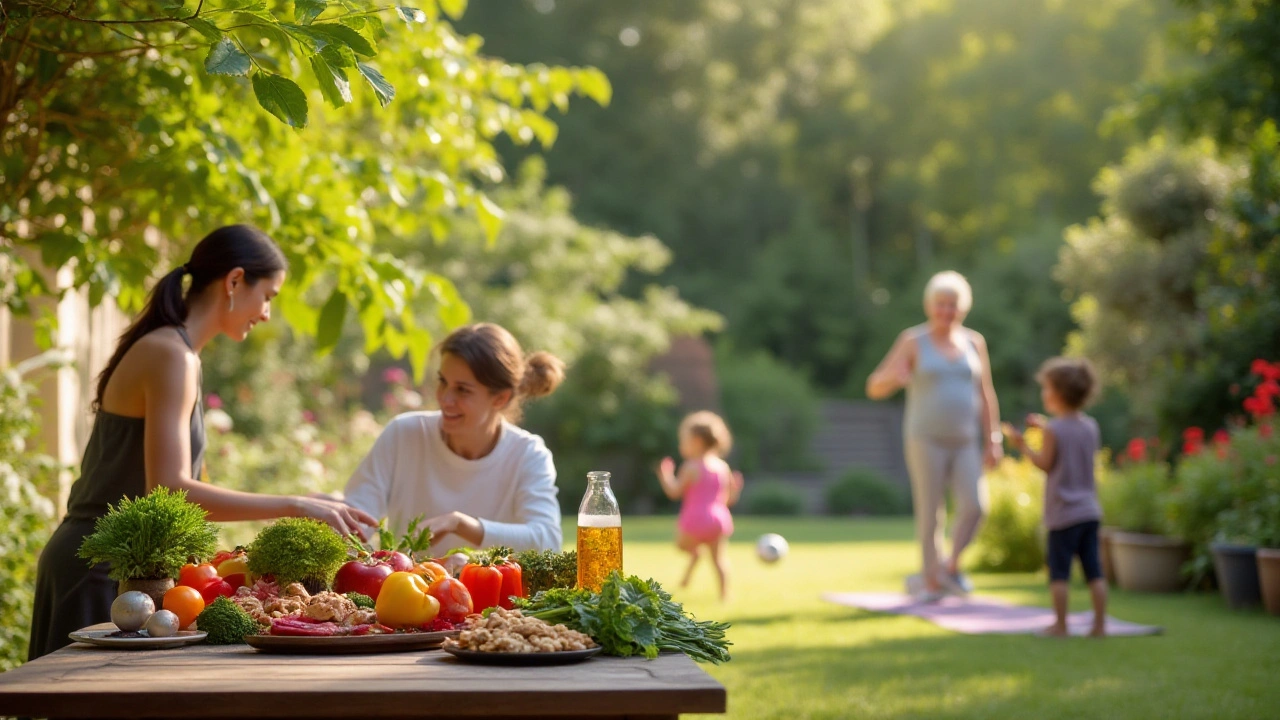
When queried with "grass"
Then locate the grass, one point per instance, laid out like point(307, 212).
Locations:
point(795, 656)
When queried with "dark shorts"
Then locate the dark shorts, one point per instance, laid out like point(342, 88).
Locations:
point(1080, 540)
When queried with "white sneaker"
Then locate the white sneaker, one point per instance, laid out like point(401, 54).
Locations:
point(957, 584)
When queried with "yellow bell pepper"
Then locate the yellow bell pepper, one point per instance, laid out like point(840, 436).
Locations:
point(236, 565)
point(403, 601)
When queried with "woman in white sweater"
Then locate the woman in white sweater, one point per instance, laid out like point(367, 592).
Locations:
point(479, 479)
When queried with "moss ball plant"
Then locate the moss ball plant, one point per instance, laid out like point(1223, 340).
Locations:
point(150, 537)
point(298, 550)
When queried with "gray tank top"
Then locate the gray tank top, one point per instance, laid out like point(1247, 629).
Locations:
point(1070, 492)
point(942, 397)
point(114, 464)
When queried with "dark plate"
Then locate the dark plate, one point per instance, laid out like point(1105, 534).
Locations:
point(521, 659)
point(348, 644)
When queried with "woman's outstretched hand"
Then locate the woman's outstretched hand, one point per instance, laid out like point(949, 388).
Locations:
point(339, 515)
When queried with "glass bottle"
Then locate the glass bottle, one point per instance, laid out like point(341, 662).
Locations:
point(599, 533)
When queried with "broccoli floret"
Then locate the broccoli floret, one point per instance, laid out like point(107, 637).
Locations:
point(361, 600)
point(225, 622)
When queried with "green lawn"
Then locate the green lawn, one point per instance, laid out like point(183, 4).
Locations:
point(795, 656)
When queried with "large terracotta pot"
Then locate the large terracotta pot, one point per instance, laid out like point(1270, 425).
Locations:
point(1269, 578)
point(1108, 559)
point(155, 587)
point(1237, 569)
point(1149, 563)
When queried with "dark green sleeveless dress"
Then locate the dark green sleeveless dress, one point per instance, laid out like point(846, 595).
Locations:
point(69, 593)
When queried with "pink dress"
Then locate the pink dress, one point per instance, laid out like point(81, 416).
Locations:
point(704, 514)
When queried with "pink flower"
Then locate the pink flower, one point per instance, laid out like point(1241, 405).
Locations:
point(212, 401)
point(395, 375)
point(1137, 450)
point(308, 416)
point(1264, 430)
point(389, 401)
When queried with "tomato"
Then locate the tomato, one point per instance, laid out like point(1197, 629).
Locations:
point(432, 571)
point(455, 599)
point(197, 576)
point(512, 583)
point(185, 602)
point(236, 581)
point(214, 590)
point(365, 578)
point(405, 603)
point(398, 561)
point(484, 583)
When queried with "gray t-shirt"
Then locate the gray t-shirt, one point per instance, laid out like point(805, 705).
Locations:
point(1070, 493)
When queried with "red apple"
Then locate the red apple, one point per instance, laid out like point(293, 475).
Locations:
point(399, 561)
point(362, 577)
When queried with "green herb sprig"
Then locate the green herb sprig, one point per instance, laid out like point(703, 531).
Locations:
point(152, 536)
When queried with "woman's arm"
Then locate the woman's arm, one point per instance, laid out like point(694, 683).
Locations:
point(894, 371)
point(992, 442)
point(170, 395)
point(537, 521)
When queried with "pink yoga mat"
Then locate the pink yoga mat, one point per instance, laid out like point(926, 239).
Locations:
point(984, 615)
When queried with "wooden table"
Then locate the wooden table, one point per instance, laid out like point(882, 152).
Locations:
point(203, 681)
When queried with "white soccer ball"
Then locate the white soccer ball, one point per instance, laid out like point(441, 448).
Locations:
point(771, 547)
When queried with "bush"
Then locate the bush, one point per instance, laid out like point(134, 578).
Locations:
point(1134, 497)
point(772, 497)
point(864, 492)
point(771, 409)
point(27, 516)
point(1012, 536)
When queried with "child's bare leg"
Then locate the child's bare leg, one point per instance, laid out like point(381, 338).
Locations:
point(689, 545)
point(1058, 589)
point(720, 557)
point(1098, 591)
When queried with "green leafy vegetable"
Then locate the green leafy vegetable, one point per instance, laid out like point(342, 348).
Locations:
point(416, 538)
point(630, 616)
point(547, 569)
point(361, 600)
point(151, 536)
point(298, 550)
point(226, 623)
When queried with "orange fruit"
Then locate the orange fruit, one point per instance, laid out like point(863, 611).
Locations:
point(185, 602)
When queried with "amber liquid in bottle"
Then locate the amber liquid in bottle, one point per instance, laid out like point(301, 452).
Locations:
point(599, 533)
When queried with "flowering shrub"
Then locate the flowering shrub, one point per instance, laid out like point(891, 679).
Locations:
point(1012, 536)
point(26, 513)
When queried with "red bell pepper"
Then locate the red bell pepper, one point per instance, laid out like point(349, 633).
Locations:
point(512, 583)
point(484, 582)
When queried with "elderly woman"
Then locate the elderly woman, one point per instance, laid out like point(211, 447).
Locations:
point(951, 427)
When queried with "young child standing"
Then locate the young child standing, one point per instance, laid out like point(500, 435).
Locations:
point(707, 487)
point(1071, 510)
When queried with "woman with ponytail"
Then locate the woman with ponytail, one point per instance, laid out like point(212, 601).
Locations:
point(480, 480)
point(148, 430)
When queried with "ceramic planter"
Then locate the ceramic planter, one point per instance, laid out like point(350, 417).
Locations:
point(1237, 569)
point(1149, 563)
point(1269, 578)
point(155, 587)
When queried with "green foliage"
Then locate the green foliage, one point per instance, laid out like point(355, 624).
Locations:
point(547, 569)
point(297, 550)
point(770, 408)
point(864, 492)
point(1134, 498)
point(361, 601)
point(27, 515)
point(771, 497)
point(1012, 535)
point(226, 623)
point(151, 536)
point(158, 107)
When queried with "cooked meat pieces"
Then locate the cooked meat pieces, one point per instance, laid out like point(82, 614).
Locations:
point(511, 631)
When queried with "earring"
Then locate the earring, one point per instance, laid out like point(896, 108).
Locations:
point(231, 305)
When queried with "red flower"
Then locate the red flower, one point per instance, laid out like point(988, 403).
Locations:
point(1268, 388)
point(1137, 450)
point(1192, 447)
point(1264, 430)
point(1193, 434)
point(1222, 437)
point(1260, 367)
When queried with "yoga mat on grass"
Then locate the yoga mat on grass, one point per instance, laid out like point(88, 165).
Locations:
point(984, 615)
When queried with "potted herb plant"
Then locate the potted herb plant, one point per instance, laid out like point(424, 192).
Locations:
point(298, 550)
point(1146, 558)
point(147, 540)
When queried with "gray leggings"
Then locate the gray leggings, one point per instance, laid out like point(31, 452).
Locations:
point(935, 463)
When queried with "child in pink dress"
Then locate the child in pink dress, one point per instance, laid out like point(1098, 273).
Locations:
point(707, 487)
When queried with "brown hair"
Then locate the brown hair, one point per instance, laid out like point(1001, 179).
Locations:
point(711, 429)
point(495, 358)
point(221, 251)
point(1073, 379)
